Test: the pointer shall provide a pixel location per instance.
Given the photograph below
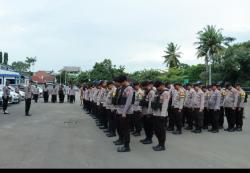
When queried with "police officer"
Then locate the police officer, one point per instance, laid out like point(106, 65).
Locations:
point(222, 110)
point(240, 108)
point(177, 107)
point(61, 94)
point(102, 111)
point(147, 112)
point(110, 109)
point(198, 108)
point(207, 117)
point(137, 116)
point(46, 94)
point(125, 110)
point(214, 108)
point(160, 112)
point(188, 110)
point(6, 95)
point(117, 104)
point(54, 94)
point(72, 94)
point(230, 104)
point(28, 97)
point(35, 93)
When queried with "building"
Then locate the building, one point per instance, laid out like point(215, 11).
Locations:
point(11, 76)
point(43, 77)
point(71, 70)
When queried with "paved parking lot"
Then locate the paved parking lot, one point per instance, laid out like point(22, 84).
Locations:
point(63, 136)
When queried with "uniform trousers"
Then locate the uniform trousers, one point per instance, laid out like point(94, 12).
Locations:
point(198, 119)
point(170, 119)
point(231, 118)
point(239, 117)
point(207, 118)
point(125, 130)
point(177, 115)
point(27, 105)
point(5, 103)
point(46, 97)
point(137, 120)
point(159, 129)
point(36, 97)
point(215, 115)
point(54, 98)
point(188, 116)
point(148, 125)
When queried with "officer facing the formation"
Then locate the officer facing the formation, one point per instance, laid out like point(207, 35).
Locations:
point(214, 108)
point(28, 97)
point(6, 95)
point(35, 93)
point(198, 108)
point(54, 94)
point(177, 107)
point(230, 104)
point(125, 110)
point(46, 94)
point(160, 112)
point(240, 108)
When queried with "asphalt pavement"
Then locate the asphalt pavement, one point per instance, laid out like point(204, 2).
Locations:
point(63, 136)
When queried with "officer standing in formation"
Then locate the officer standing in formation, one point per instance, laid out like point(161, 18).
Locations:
point(35, 93)
point(6, 95)
point(28, 98)
point(46, 94)
point(54, 93)
point(121, 108)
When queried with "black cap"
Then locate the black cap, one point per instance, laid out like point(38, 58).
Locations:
point(177, 83)
point(136, 83)
point(122, 78)
point(228, 84)
point(214, 84)
point(110, 83)
point(158, 84)
point(144, 83)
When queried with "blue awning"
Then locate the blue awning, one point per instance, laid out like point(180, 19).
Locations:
point(5, 73)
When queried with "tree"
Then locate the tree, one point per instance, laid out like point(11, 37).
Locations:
point(1, 57)
point(6, 58)
point(172, 55)
point(20, 66)
point(211, 43)
point(143, 75)
point(105, 71)
point(31, 61)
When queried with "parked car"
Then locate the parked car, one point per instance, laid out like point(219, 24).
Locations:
point(1, 96)
point(21, 93)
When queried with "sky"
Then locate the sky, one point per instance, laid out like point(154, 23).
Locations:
point(133, 33)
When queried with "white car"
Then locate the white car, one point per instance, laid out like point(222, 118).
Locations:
point(16, 98)
point(21, 93)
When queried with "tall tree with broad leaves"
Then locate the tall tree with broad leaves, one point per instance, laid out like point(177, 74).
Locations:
point(172, 55)
point(211, 45)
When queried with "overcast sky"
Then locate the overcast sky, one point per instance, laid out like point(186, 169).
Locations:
point(133, 33)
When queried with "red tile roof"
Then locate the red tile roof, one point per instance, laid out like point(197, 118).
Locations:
point(42, 77)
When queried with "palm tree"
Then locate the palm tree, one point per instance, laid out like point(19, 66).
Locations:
point(211, 43)
point(172, 55)
point(30, 61)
